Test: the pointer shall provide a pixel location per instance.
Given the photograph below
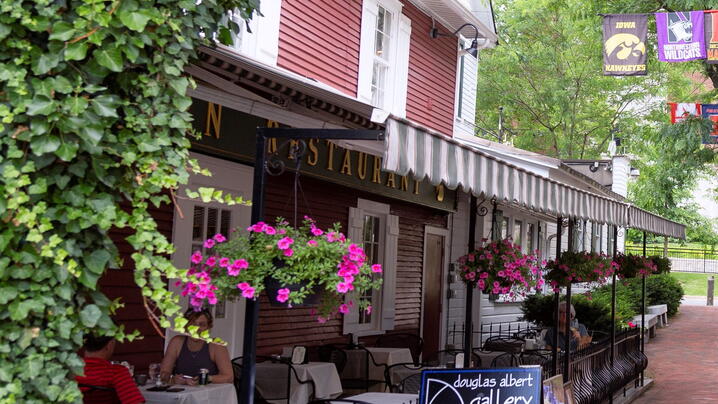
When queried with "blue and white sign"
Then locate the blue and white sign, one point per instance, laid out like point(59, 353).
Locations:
point(481, 386)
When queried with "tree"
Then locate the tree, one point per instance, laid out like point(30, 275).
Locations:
point(93, 129)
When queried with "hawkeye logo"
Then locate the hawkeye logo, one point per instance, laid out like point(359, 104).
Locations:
point(626, 51)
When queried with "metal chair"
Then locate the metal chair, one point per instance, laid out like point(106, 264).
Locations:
point(504, 344)
point(258, 397)
point(410, 384)
point(396, 373)
point(402, 340)
point(97, 394)
point(363, 383)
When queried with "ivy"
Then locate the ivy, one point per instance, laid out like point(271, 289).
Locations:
point(93, 132)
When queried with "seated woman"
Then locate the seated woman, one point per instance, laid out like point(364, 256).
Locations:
point(185, 356)
point(579, 336)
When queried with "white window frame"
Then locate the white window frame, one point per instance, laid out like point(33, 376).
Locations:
point(394, 100)
point(383, 300)
point(262, 43)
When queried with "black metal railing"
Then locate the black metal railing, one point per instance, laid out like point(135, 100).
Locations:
point(488, 330)
point(683, 259)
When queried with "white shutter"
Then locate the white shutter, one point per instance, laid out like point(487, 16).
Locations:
point(389, 286)
point(401, 78)
point(370, 11)
point(468, 102)
point(354, 233)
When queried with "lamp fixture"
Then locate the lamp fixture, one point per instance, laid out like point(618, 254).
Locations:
point(473, 50)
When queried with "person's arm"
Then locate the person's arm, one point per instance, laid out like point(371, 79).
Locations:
point(171, 354)
point(224, 366)
point(125, 387)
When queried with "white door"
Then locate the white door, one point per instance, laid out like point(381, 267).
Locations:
point(203, 220)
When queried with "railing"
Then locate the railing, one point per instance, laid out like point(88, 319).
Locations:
point(504, 329)
point(683, 259)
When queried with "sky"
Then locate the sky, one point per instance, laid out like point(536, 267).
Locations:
point(708, 205)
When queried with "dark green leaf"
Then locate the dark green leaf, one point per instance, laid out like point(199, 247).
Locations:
point(40, 105)
point(90, 315)
point(62, 85)
point(105, 105)
point(134, 20)
point(76, 51)
point(67, 151)
point(44, 144)
point(4, 30)
point(225, 36)
point(45, 63)
point(110, 58)
point(62, 31)
point(97, 261)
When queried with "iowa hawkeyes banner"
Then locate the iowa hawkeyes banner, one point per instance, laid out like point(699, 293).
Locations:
point(680, 36)
point(624, 44)
point(711, 28)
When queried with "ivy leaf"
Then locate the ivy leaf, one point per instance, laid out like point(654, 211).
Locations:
point(44, 144)
point(62, 85)
point(105, 105)
point(180, 85)
point(76, 51)
point(134, 20)
point(109, 58)
point(225, 36)
point(45, 62)
point(4, 30)
point(40, 105)
point(67, 151)
point(90, 315)
point(62, 31)
point(97, 261)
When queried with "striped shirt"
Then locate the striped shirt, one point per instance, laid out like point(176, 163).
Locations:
point(99, 372)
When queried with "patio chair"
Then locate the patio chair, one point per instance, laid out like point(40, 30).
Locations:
point(237, 369)
point(402, 340)
point(92, 394)
point(504, 344)
point(364, 382)
point(410, 384)
point(397, 372)
point(505, 360)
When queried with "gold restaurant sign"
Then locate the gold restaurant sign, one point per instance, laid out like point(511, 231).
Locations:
point(231, 134)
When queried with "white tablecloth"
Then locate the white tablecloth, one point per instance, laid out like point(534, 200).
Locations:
point(220, 393)
point(386, 398)
point(271, 381)
point(356, 358)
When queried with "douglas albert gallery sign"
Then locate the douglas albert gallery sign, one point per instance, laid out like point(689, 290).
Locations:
point(481, 386)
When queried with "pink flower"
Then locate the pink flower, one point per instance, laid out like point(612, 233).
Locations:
point(224, 262)
point(283, 295)
point(219, 238)
point(248, 292)
point(502, 274)
point(483, 275)
point(368, 309)
point(196, 257)
point(212, 299)
point(376, 268)
point(342, 287)
point(312, 243)
point(321, 319)
point(257, 227)
point(241, 263)
point(270, 230)
point(332, 237)
point(242, 285)
point(481, 284)
point(211, 261)
point(284, 243)
point(344, 309)
point(209, 243)
point(288, 252)
point(316, 231)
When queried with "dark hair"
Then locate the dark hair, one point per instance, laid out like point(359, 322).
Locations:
point(191, 314)
point(94, 343)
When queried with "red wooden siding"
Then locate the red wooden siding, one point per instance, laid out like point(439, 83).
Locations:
point(330, 203)
point(320, 40)
point(432, 74)
point(120, 283)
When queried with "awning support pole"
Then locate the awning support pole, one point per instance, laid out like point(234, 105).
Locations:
point(567, 327)
point(469, 309)
point(251, 319)
point(643, 305)
point(557, 298)
point(613, 307)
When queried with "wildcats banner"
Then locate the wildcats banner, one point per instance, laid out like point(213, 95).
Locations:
point(710, 111)
point(680, 36)
point(711, 28)
point(680, 111)
point(624, 44)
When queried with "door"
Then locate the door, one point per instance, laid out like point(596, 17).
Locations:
point(200, 221)
point(432, 292)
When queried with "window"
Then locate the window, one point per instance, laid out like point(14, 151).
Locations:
point(384, 56)
point(504, 233)
point(518, 225)
point(378, 230)
point(206, 222)
point(609, 237)
point(530, 238)
point(595, 237)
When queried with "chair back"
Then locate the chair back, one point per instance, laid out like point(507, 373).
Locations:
point(92, 394)
point(411, 384)
point(504, 344)
point(403, 340)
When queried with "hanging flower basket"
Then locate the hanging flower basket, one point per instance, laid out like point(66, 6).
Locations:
point(297, 266)
point(576, 267)
point(499, 267)
point(632, 266)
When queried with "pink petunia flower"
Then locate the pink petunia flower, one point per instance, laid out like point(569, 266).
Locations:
point(321, 319)
point(284, 243)
point(288, 252)
point(344, 309)
point(196, 257)
point(312, 243)
point(342, 287)
point(376, 268)
point(317, 231)
point(270, 230)
point(241, 263)
point(211, 261)
point(248, 292)
point(209, 243)
point(283, 295)
point(219, 238)
point(242, 285)
point(224, 262)
point(368, 309)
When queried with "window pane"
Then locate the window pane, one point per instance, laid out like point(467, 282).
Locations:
point(212, 220)
point(530, 238)
point(198, 224)
point(225, 222)
point(517, 232)
point(504, 227)
point(371, 239)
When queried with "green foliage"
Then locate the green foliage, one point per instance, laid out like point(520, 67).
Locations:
point(93, 113)
point(663, 265)
point(664, 289)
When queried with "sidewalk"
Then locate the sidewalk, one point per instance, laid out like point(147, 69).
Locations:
point(683, 359)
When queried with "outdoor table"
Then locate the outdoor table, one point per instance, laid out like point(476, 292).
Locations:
point(272, 377)
point(386, 398)
point(356, 361)
point(215, 393)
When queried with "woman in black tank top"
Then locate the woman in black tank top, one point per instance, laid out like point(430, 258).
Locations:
point(185, 356)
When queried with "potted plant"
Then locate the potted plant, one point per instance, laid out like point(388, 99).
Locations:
point(291, 264)
point(632, 265)
point(574, 267)
point(663, 264)
point(499, 267)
